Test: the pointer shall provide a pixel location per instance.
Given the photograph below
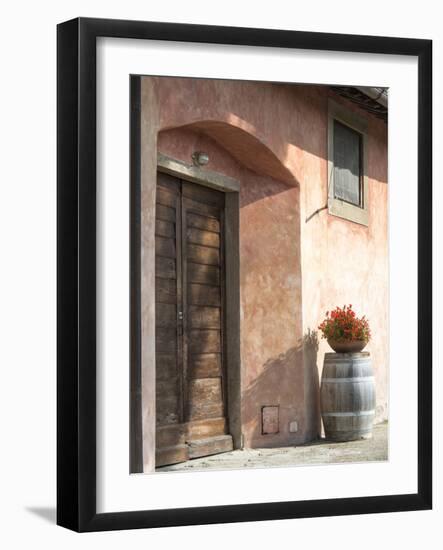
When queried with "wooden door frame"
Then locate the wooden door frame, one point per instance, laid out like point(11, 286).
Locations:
point(231, 235)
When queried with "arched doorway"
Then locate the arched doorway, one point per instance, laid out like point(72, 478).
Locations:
point(224, 405)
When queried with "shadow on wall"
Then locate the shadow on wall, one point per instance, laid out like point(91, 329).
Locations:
point(245, 148)
point(312, 384)
point(291, 381)
point(231, 157)
point(264, 187)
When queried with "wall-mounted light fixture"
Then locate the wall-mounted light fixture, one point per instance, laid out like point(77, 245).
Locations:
point(199, 158)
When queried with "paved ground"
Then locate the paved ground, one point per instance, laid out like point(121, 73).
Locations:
point(318, 452)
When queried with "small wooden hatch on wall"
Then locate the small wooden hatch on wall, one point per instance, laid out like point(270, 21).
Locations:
point(270, 419)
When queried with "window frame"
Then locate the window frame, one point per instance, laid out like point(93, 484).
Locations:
point(338, 207)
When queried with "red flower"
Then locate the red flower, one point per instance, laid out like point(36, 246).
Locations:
point(342, 324)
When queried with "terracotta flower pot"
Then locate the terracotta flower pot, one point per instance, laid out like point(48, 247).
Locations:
point(347, 346)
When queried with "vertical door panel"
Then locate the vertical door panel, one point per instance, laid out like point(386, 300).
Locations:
point(202, 252)
point(169, 404)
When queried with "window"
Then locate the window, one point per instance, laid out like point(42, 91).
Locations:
point(347, 164)
point(347, 197)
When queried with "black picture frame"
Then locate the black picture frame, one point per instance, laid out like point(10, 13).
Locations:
point(76, 268)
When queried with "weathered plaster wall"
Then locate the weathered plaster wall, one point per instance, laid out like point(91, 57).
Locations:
point(273, 139)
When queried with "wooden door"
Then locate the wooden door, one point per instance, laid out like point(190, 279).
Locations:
point(190, 371)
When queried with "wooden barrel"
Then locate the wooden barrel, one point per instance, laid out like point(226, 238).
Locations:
point(347, 396)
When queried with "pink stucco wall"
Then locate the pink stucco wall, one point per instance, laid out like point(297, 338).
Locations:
point(273, 140)
point(344, 262)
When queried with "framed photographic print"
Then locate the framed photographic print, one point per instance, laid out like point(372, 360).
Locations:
point(244, 274)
